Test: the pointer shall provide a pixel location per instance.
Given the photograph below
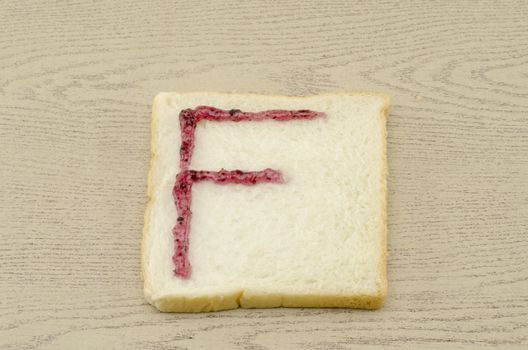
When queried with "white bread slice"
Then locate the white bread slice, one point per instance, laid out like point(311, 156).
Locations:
point(317, 240)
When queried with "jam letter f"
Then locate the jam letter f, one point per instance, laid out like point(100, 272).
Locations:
point(185, 179)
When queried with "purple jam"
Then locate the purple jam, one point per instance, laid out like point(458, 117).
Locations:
point(189, 118)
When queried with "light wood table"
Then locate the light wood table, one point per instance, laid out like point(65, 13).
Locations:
point(77, 80)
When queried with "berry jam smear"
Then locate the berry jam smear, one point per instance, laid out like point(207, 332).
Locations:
point(189, 118)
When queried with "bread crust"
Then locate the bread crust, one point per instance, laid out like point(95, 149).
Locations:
point(255, 300)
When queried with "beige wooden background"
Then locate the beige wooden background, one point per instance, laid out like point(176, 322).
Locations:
point(77, 80)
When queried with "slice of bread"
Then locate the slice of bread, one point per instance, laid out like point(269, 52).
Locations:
point(318, 239)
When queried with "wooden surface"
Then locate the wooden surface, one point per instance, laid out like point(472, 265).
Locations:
point(77, 80)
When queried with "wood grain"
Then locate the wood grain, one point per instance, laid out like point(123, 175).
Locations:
point(77, 80)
